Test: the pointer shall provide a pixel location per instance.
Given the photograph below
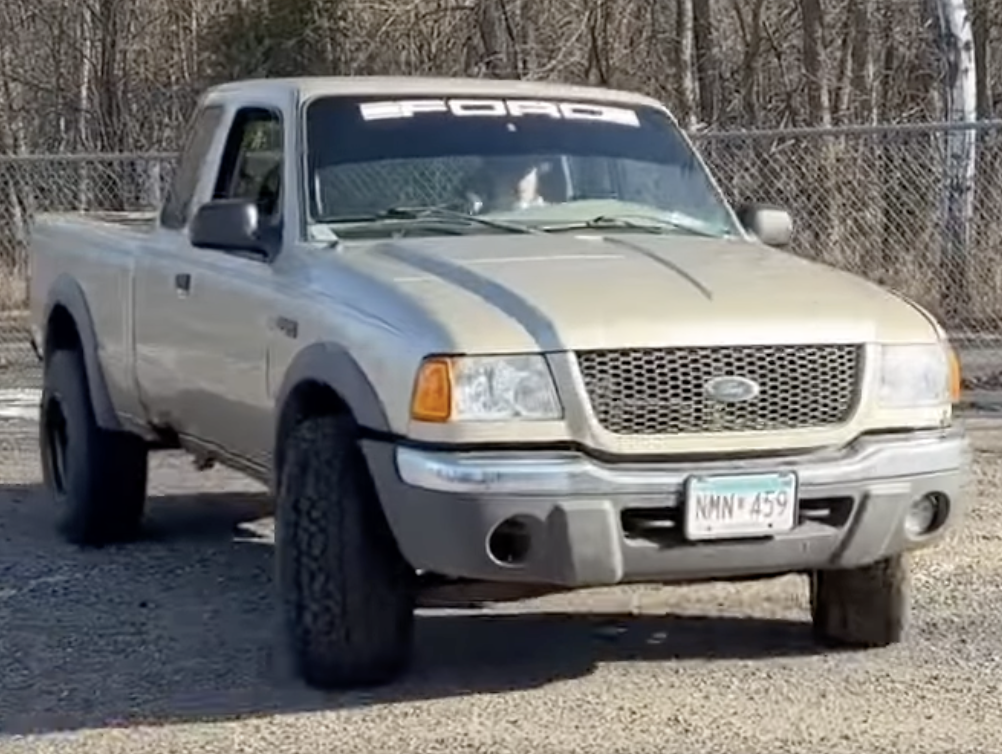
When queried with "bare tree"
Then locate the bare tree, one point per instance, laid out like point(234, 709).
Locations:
point(981, 25)
point(749, 19)
point(705, 59)
point(815, 65)
point(956, 44)
point(862, 19)
point(685, 64)
point(123, 74)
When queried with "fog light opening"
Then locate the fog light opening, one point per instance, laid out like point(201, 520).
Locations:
point(926, 515)
point(510, 541)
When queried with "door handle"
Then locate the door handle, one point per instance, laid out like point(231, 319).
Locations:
point(182, 282)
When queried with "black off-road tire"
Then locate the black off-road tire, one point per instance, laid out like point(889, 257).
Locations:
point(347, 594)
point(866, 607)
point(97, 477)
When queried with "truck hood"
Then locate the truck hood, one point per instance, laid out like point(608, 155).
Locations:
point(509, 293)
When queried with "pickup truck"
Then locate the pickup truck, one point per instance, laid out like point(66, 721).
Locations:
point(485, 333)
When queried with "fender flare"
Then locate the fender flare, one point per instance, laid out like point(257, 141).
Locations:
point(330, 365)
point(67, 293)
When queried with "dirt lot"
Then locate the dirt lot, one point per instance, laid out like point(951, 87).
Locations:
point(169, 646)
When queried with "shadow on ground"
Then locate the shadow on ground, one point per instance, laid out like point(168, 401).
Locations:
point(181, 628)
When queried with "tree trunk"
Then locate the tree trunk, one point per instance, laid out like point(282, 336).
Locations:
point(863, 81)
point(597, 68)
point(842, 98)
point(706, 62)
point(823, 188)
point(751, 31)
point(685, 73)
point(818, 91)
point(490, 24)
point(83, 104)
point(981, 23)
point(956, 44)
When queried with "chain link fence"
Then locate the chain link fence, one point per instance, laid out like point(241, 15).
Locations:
point(904, 206)
point(56, 183)
point(871, 200)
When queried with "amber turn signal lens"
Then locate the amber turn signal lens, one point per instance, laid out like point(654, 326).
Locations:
point(955, 381)
point(432, 400)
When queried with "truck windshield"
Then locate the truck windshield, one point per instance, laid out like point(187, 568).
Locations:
point(547, 165)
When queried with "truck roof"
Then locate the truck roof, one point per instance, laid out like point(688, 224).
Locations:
point(393, 86)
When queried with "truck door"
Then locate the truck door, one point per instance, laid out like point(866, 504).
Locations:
point(158, 319)
point(225, 302)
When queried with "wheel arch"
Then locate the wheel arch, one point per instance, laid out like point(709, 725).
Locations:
point(324, 379)
point(68, 324)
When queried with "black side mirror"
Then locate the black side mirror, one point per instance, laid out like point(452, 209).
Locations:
point(231, 225)
point(773, 226)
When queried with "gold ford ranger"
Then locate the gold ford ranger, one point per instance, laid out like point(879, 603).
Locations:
point(490, 335)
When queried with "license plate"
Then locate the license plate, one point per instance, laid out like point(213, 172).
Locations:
point(735, 507)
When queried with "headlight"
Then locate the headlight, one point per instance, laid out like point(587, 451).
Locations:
point(916, 376)
point(485, 388)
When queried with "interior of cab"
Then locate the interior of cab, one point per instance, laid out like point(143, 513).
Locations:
point(251, 166)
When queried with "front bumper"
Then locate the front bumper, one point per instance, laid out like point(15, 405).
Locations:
point(589, 523)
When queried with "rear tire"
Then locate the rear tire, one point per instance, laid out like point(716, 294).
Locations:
point(865, 607)
point(97, 477)
point(348, 595)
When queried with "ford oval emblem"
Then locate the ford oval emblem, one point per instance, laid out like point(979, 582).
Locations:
point(731, 389)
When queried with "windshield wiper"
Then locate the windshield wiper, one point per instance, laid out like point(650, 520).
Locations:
point(431, 213)
point(644, 223)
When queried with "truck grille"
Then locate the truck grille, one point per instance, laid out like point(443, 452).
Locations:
point(664, 391)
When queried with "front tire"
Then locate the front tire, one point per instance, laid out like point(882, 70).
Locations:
point(348, 595)
point(96, 477)
point(865, 607)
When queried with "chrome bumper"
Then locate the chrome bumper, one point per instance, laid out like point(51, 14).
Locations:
point(878, 458)
point(580, 513)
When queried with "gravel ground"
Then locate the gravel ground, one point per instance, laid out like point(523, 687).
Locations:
point(169, 646)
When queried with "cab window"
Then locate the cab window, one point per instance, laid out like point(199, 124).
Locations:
point(251, 167)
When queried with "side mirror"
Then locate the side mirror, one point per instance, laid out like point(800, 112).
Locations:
point(772, 226)
point(230, 225)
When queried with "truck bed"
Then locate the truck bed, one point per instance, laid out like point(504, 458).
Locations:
point(96, 252)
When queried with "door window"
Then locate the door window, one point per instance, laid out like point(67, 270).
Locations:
point(251, 167)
